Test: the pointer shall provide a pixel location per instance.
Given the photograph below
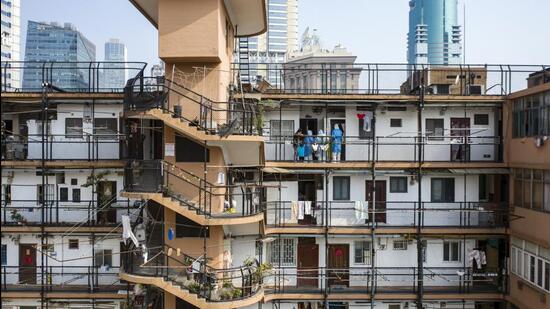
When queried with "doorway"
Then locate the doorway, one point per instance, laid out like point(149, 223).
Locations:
point(27, 263)
point(307, 192)
point(338, 265)
point(106, 196)
point(460, 131)
point(308, 124)
point(342, 125)
point(308, 262)
point(379, 200)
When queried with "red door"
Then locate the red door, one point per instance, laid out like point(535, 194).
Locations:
point(380, 200)
point(27, 264)
point(308, 261)
point(338, 265)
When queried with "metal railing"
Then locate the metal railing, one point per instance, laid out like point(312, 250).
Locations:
point(387, 78)
point(384, 148)
point(388, 214)
point(63, 213)
point(193, 274)
point(192, 191)
point(68, 76)
point(190, 107)
point(80, 146)
point(391, 280)
point(61, 278)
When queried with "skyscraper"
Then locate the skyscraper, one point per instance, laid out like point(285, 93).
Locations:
point(434, 37)
point(280, 38)
point(115, 51)
point(53, 42)
point(11, 41)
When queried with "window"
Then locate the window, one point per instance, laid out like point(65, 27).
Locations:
point(44, 193)
point(532, 189)
point(63, 194)
point(188, 228)
point(106, 128)
point(73, 243)
point(482, 188)
point(531, 115)
point(398, 184)
point(399, 245)
point(341, 188)
point(451, 251)
point(395, 123)
point(285, 249)
point(73, 127)
point(190, 151)
point(481, 119)
point(76, 195)
point(443, 190)
point(104, 258)
point(74, 182)
point(4, 255)
point(434, 129)
point(363, 251)
point(279, 130)
point(6, 193)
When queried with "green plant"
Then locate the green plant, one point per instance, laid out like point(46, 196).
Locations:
point(194, 287)
point(237, 293)
point(249, 262)
point(227, 284)
point(17, 217)
point(226, 294)
point(94, 178)
point(261, 272)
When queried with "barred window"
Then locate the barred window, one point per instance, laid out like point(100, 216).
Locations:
point(362, 254)
point(282, 129)
point(282, 252)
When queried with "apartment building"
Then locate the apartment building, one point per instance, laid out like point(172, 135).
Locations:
point(62, 169)
point(402, 194)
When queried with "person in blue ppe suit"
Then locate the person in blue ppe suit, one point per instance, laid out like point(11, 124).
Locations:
point(308, 145)
point(337, 136)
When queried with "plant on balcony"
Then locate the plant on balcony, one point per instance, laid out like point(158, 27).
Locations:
point(193, 286)
point(94, 179)
point(17, 217)
point(227, 290)
point(262, 271)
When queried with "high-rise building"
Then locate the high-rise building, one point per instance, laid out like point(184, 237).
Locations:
point(64, 45)
point(11, 41)
point(113, 76)
point(434, 37)
point(280, 38)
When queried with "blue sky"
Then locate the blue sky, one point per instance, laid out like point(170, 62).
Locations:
point(497, 31)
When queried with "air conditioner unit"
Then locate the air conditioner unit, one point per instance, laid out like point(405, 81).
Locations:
point(474, 90)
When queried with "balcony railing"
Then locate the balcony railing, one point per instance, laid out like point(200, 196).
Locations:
point(386, 78)
point(68, 76)
point(61, 278)
point(385, 148)
point(193, 274)
point(192, 191)
point(90, 147)
point(391, 280)
point(388, 214)
point(190, 107)
point(85, 213)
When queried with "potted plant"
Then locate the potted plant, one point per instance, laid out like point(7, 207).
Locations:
point(17, 217)
point(193, 287)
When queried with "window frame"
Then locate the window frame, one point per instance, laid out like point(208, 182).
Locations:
point(449, 251)
point(362, 252)
point(74, 127)
point(340, 196)
point(434, 135)
point(396, 188)
point(443, 198)
point(110, 133)
point(288, 254)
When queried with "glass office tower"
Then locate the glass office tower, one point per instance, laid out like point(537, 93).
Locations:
point(115, 52)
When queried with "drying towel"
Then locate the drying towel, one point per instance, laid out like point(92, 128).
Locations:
point(301, 205)
point(307, 207)
point(293, 212)
point(360, 210)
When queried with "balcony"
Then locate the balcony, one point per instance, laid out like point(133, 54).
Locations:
point(191, 113)
point(192, 280)
point(361, 281)
point(192, 196)
point(357, 149)
point(63, 147)
point(383, 81)
point(88, 279)
point(68, 78)
point(388, 217)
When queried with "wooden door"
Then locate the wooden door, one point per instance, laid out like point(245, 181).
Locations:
point(308, 262)
point(27, 264)
point(380, 200)
point(338, 265)
point(460, 130)
point(106, 196)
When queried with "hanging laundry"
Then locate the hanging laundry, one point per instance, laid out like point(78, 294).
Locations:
point(478, 256)
point(293, 212)
point(301, 206)
point(367, 123)
point(360, 210)
point(307, 207)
